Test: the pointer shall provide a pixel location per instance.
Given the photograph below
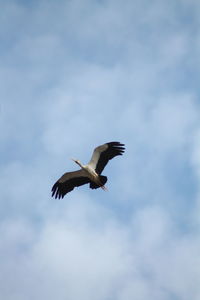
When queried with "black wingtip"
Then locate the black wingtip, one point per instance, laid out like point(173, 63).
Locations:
point(55, 191)
point(117, 147)
point(116, 144)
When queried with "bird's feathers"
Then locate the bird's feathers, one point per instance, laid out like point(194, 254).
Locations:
point(74, 174)
point(101, 155)
point(104, 153)
point(60, 189)
point(103, 180)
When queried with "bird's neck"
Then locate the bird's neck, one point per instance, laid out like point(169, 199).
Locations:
point(80, 164)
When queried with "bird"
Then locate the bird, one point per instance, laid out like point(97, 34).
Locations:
point(90, 173)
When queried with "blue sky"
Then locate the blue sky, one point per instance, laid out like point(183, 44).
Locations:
point(74, 75)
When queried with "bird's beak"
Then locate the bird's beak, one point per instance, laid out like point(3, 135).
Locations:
point(73, 159)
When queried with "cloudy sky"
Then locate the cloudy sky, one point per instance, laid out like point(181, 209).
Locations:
point(76, 74)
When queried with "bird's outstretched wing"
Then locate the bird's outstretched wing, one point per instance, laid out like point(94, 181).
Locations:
point(104, 153)
point(68, 182)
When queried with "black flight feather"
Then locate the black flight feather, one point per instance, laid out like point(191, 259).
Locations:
point(60, 189)
point(113, 149)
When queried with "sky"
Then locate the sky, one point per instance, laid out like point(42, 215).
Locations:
point(74, 75)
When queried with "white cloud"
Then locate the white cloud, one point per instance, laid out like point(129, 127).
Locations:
point(76, 75)
point(73, 260)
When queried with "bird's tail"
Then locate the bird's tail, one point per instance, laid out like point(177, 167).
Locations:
point(102, 181)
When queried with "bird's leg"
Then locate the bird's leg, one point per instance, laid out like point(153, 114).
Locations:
point(104, 188)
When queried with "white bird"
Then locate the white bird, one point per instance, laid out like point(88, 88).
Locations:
point(90, 173)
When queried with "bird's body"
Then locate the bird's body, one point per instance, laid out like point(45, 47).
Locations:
point(90, 173)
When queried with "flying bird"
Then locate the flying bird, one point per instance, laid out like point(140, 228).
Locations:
point(90, 173)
